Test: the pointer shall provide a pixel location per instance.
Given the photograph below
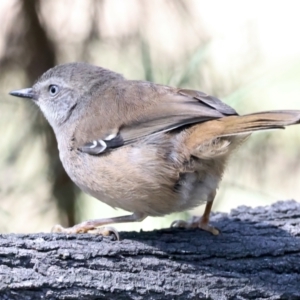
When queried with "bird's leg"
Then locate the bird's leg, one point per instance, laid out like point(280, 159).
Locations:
point(200, 222)
point(91, 226)
point(203, 222)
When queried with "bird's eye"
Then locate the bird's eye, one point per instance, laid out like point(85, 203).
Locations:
point(53, 89)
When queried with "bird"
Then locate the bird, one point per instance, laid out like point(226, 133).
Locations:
point(146, 148)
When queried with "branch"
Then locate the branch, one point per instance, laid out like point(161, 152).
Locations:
point(256, 256)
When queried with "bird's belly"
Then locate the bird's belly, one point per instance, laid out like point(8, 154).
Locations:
point(158, 201)
point(127, 181)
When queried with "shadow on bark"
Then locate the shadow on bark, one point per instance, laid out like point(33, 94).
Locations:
point(257, 256)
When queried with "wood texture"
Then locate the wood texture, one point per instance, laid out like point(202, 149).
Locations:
point(257, 256)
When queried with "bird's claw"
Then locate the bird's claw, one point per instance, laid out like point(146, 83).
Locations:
point(105, 231)
point(195, 222)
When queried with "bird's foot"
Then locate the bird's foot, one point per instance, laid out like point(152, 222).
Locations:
point(195, 222)
point(105, 231)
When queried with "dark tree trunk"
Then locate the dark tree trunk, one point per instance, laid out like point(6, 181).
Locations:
point(257, 256)
point(29, 48)
point(41, 54)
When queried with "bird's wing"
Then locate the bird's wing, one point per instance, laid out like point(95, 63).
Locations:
point(132, 110)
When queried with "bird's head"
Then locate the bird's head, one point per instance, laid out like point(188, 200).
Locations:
point(60, 90)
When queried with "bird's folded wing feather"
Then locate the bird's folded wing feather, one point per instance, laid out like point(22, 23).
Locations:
point(132, 110)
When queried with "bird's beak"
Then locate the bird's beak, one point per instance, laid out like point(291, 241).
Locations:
point(24, 93)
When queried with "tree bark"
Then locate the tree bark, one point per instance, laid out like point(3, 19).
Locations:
point(256, 256)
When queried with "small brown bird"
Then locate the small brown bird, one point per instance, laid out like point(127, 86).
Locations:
point(146, 148)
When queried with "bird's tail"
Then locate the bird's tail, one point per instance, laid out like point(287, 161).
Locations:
point(277, 119)
point(204, 138)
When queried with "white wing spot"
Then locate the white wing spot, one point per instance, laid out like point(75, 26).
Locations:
point(94, 144)
point(110, 137)
point(103, 144)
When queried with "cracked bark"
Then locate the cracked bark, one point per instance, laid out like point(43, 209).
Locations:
point(257, 256)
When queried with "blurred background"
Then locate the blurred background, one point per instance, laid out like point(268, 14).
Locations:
point(245, 52)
